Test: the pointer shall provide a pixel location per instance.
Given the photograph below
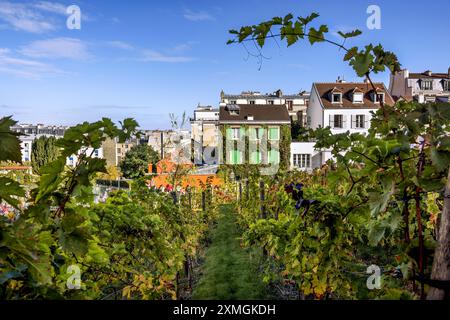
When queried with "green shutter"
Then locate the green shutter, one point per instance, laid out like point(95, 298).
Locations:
point(242, 132)
point(274, 134)
point(255, 157)
point(274, 156)
point(252, 133)
point(229, 133)
point(262, 132)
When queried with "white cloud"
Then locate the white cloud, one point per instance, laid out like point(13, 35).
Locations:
point(53, 7)
point(68, 48)
point(21, 17)
point(121, 45)
point(197, 15)
point(24, 68)
point(149, 55)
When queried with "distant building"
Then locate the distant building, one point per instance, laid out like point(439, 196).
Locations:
point(114, 152)
point(40, 129)
point(421, 87)
point(204, 135)
point(170, 144)
point(296, 104)
point(262, 125)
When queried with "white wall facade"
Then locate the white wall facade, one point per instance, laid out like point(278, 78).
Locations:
point(305, 148)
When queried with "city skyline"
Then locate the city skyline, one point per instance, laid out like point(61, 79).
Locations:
point(157, 58)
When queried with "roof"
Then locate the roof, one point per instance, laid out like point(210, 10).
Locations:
point(347, 88)
point(429, 75)
point(256, 95)
point(260, 112)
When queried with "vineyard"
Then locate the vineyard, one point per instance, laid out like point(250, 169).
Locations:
point(300, 235)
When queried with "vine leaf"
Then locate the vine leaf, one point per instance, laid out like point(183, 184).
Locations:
point(351, 34)
point(10, 190)
point(9, 141)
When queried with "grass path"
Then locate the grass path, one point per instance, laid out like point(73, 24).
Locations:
point(230, 272)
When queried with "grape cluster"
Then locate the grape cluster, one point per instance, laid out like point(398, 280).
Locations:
point(296, 189)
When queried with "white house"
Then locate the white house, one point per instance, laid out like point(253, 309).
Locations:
point(304, 156)
point(344, 107)
point(422, 87)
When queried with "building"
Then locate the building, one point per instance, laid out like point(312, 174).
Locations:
point(40, 129)
point(342, 107)
point(421, 87)
point(26, 144)
point(114, 152)
point(204, 135)
point(296, 104)
point(304, 156)
point(170, 144)
point(263, 126)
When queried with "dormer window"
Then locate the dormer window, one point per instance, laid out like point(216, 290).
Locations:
point(379, 97)
point(234, 112)
point(358, 97)
point(426, 85)
point(336, 97)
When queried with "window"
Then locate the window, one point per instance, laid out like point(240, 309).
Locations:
point(274, 133)
point(337, 121)
point(270, 102)
point(255, 157)
point(290, 105)
point(119, 150)
point(446, 85)
point(357, 98)
point(96, 153)
point(251, 102)
point(337, 98)
point(302, 160)
point(233, 102)
point(359, 121)
point(274, 156)
point(427, 85)
point(235, 157)
point(379, 97)
point(235, 133)
point(256, 133)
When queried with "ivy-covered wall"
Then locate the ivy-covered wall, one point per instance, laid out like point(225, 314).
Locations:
point(284, 145)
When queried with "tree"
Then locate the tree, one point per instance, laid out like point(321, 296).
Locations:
point(43, 151)
point(136, 161)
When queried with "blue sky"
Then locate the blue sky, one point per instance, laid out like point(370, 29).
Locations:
point(144, 59)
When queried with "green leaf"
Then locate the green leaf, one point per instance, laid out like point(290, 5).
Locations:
point(362, 61)
point(351, 34)
point(376, 233)
point(440, 159)
point(51, 177)
point(75, 242)
point(9, 143)
point(9, 190)
point(309, 18)
point(317, 35)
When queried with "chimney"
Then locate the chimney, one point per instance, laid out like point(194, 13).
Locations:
point(279, 93)
point(339, 80)
point(428, 72)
